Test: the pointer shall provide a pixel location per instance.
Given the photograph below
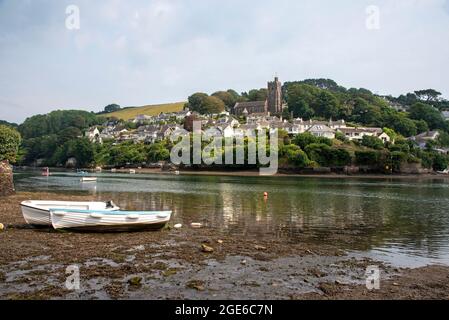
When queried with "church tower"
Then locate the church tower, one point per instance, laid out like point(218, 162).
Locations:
point(275, 96)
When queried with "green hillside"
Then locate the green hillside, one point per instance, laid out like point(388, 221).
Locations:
point(150, 110)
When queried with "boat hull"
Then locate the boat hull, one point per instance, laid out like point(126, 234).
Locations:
point(36, 217)
point(100, 221)
point(37, 213)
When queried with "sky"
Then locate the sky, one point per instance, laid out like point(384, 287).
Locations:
point(139, 52)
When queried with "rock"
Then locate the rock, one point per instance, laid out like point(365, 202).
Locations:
point(257, 247)
point(178, 226)
point(6, 179)
point(135, 281)
point(196, 284)
point(169, 272)
point(205, 248)
point(244, 262)
point(196, 225)
point(396, 284)
point(220, 241)
point(2, 227)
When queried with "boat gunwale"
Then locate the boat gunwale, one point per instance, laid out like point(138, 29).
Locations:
point(111, 212)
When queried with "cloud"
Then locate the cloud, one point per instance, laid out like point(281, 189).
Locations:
point(138, 52)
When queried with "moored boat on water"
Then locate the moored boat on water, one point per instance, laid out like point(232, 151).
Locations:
point(88, 179)
point(37, 213)
point(108, 221)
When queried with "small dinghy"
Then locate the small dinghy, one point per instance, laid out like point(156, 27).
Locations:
point(37, 213)
point(88, 179)
point(108, 221)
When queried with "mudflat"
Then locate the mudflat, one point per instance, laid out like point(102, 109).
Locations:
point(189, 263)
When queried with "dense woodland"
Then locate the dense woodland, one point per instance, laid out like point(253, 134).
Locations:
point(55, 137)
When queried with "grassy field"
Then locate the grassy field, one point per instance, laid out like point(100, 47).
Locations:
point(150, 110)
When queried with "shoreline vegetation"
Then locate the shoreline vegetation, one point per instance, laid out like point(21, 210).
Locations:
point(251, 173)
point(171, 264)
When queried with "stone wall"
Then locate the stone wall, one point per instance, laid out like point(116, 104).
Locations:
point(6, 179)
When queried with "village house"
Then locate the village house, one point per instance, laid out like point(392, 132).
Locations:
point(94, 135)
point(422, 139)
point(445, 115)
point(142, 118)
point(321, 130)
point(228, 120)
point(358, 133)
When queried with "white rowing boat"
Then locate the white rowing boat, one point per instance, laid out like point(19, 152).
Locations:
point(37, 213)
point(88, 179)
point(108, 221)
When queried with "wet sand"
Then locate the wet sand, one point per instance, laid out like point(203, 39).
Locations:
point(170, 264)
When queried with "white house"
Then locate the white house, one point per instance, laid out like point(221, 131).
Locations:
point(94, 135)
point(423, 138)
point(321, 130)
point(359, 133)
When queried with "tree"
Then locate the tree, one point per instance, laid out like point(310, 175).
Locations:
point(9, 143)
point(367, 158)
point(300, 97)
point(228, 98)
point(401, 124)
point(8, 124)
point(341, 157)
point(421, 111)
point(196, 101)
point(440, 162)
point(112, 108)
point(256, 94)
point(296, 156)
point(421, 126)
point(327, 105)
point(212, 105)
point(81, 149)
point(428, 95)
point(69, 133)
point(54, 122)
point(320, 153)
point(372, 142)
point(304, 139)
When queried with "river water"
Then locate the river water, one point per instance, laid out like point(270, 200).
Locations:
point(401, 221)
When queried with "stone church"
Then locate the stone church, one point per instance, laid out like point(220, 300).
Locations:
point(273, 104)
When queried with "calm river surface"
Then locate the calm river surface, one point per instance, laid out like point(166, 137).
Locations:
point(403, 221)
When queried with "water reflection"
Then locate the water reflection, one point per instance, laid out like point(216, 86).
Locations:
point(385, 216)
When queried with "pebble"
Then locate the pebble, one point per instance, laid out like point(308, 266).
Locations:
point(135, 281)
point(178, 226)
point(220, 241)
point(206, 248)
point(196, 225)
point(2, 227)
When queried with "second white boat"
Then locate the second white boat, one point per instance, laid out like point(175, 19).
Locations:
point(108, 221)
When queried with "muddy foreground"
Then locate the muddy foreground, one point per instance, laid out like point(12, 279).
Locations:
point(172, 264)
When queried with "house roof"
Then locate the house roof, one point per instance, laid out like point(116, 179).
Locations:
point(320, 128)
point(249, 104)
point(361, 130)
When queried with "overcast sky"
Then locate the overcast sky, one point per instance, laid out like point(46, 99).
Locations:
point(137, 52)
